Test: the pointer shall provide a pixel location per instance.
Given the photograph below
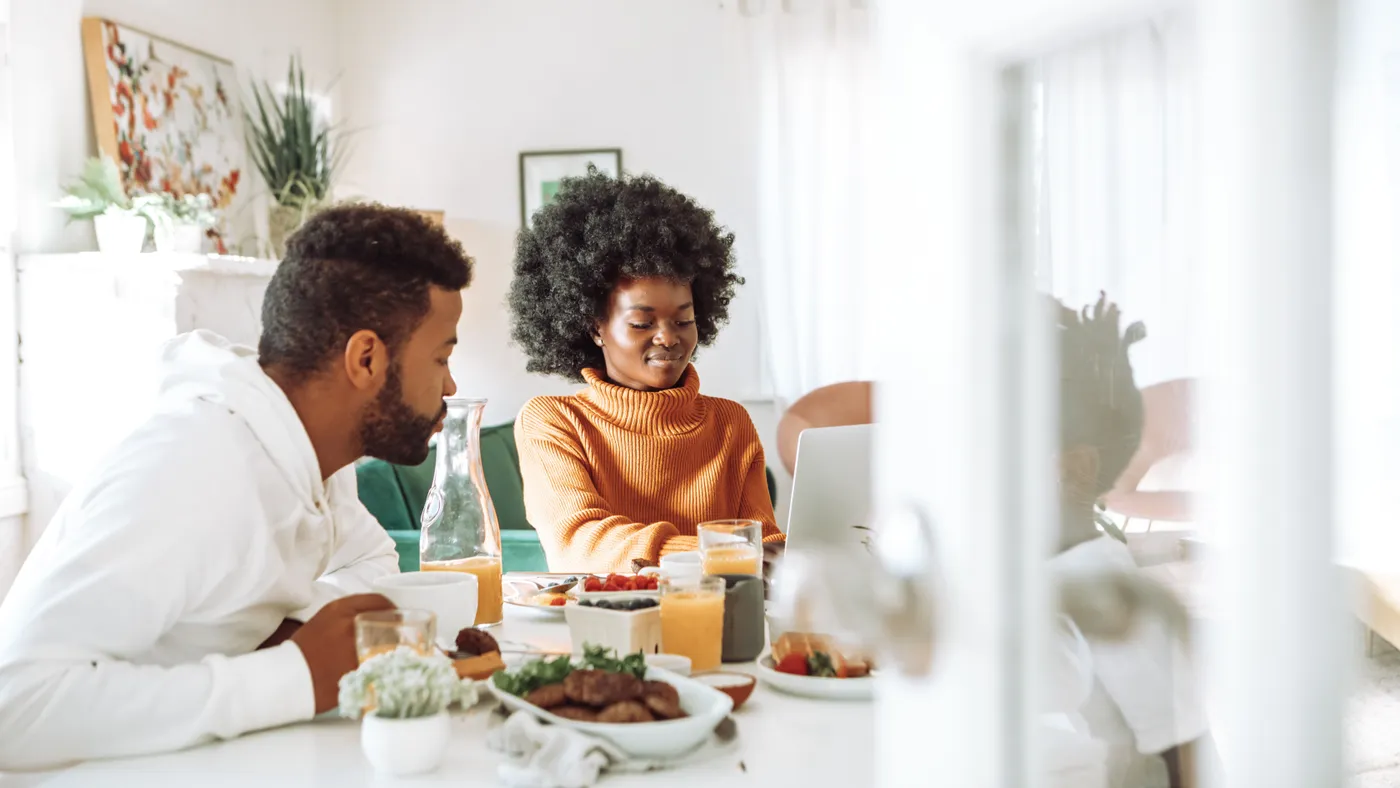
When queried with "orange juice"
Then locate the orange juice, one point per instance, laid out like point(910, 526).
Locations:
point(490, 602)
point(692, 625)
point(736, 559)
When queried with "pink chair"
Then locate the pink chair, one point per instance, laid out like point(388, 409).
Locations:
point(1159, 465)
point(837, 405)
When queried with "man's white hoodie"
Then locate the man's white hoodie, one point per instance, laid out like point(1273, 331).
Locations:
point(133, 626)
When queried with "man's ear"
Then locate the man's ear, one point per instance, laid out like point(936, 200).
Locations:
point(366, 360)
point(1079, 473)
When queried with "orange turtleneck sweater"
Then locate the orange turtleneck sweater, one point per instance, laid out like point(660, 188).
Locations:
point(612, 474)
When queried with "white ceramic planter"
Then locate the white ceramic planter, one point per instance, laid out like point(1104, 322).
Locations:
point(405, 747)
point(181, 238)
point(117, 234)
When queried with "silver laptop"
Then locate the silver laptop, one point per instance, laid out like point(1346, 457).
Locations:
point(831, 487)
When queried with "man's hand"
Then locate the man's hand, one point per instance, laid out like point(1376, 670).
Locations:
point(285, 630)
point(327, 642)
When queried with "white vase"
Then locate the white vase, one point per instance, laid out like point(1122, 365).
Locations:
point(182, 238)
point(405, 747)
point(118, 234)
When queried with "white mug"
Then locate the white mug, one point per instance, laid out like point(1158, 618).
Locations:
point(682, 566)
point(451, 596)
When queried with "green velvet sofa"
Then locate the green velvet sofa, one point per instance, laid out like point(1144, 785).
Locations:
point(395, 494)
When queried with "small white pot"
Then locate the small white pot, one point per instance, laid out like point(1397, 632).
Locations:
point(405, 747)
point(118, 234)
point(182, 238)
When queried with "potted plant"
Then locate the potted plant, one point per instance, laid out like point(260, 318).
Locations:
point(297, 152)
point(98, 194)
point(181, 222)
point(405, 695)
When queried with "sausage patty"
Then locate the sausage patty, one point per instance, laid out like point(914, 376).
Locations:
point(601, 688)
point(548, 696)
point(625, 711)
point(575, 713)
point(662, 700)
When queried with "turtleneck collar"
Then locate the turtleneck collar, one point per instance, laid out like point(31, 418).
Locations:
point(670, 412)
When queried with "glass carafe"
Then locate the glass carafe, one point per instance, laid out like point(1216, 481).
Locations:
point(460, 530)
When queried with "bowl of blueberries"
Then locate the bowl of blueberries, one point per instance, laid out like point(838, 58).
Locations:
point(626, 623)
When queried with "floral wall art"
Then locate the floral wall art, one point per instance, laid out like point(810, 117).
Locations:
point(169, 115)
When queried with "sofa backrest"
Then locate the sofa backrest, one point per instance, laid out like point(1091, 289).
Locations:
point(395, 494)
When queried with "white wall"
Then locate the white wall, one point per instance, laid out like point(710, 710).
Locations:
point(447, 94)
point(54, 128)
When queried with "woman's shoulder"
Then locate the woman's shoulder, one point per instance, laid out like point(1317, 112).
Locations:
point(544, 412)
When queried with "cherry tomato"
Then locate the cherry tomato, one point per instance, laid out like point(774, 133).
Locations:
point(793, 663)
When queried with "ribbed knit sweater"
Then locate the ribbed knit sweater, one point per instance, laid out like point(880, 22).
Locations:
point(612, 474)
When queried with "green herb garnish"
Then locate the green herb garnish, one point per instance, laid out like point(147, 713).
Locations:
point(599, 658)
point(542, 672)
point(533, 675)
point(819, 664)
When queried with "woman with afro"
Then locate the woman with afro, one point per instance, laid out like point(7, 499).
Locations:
point(616, 285)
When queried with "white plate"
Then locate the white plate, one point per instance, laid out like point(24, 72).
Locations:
point(541, 612)
point(815, 686)
point(517, 591)
point(666, 739)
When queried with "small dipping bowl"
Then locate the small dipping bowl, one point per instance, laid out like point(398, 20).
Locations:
point(738, 686)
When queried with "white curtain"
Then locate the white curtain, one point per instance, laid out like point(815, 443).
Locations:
point(810, 62)
point(1112, 157)
point(1366, 342)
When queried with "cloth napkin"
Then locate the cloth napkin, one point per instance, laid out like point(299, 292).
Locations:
point(549, 756)
point(539, 755)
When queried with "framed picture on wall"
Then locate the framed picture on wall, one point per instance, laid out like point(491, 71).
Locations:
point(541, 172)
point(168, 114)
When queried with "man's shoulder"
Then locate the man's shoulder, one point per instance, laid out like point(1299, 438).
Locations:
point(197, 449)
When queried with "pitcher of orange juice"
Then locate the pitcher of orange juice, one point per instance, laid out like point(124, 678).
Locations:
point(460, 530)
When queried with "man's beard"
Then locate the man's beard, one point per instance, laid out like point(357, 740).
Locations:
point(392, 430)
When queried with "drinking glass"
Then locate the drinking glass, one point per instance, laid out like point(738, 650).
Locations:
point(692, 619)
point(732, 547)
point(382, 631)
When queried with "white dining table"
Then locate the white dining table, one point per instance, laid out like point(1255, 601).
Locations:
point(783, 740)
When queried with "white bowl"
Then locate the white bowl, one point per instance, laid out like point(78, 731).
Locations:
point(706, 706)
point(623, 631)
point(675, 663)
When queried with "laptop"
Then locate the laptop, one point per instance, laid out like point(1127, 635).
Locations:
point(831, 500)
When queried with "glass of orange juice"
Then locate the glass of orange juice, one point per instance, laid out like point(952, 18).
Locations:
point(732, 547)
point(382, 631)
point(692, 619)
point(490, 600)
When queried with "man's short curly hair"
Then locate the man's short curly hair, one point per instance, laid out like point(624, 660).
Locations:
point(598, 232)
point(353, 267)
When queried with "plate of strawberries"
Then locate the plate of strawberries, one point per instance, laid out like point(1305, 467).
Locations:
point(603, 586)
